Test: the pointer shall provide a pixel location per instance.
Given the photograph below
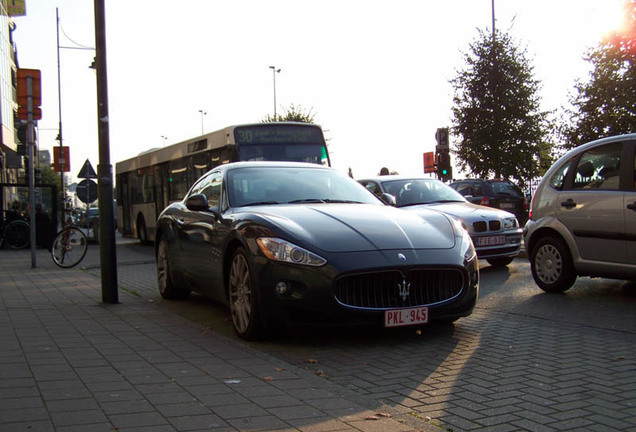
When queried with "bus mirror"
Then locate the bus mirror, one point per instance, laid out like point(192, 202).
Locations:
point(197, 202)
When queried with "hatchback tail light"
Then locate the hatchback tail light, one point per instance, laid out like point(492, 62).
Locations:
point(485, 200)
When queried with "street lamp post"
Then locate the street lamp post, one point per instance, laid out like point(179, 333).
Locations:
point(202, 114)
point(274, 72)
point(163, 138)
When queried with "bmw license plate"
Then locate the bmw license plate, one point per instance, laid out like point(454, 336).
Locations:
point(507, 205)
point(490, 241)
point(404, 317)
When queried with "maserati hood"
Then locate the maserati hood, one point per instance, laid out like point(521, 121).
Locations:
point(359, 227)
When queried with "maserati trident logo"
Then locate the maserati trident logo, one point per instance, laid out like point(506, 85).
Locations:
point(404, 288)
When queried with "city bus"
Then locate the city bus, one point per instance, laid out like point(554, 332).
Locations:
point(150, 181)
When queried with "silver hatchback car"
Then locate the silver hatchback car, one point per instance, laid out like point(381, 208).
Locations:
point(582, 218)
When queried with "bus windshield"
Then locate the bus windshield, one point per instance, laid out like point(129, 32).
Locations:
point(312, 153)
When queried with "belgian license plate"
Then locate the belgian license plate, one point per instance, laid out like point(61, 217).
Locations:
point(491, 241)
point(507, 205)
point(404, 317)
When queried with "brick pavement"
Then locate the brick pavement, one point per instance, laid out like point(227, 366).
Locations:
point(71, 363)
point(492, 371)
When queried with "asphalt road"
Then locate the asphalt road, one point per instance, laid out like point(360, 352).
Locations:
point(524, 360)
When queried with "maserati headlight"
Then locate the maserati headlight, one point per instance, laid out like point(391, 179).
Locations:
point(467, 247)
point(510, 223)
point(281, 250)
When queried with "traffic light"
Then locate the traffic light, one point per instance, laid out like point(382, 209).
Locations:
point(444, 169)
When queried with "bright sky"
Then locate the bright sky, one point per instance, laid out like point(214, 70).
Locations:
point(375, 73)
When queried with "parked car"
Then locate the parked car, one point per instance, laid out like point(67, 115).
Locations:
point(496, 234)
point(285, 243)
point(89, 217)
point(583, 216)
point(497, 193)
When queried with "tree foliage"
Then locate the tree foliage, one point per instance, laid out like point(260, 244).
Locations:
point(293, 113)
point(606, 104)
point(496, 117)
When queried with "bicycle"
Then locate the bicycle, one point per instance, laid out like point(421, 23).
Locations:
point(15, 233)
point(70, 246)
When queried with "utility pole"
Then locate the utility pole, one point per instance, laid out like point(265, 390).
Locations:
point(107, 249)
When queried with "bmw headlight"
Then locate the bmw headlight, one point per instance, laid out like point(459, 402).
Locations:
point(281, 250)
point(510, 223)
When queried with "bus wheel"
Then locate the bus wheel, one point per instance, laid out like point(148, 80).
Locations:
point(142, 234)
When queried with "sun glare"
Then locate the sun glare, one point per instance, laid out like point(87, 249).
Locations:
point(608, 16)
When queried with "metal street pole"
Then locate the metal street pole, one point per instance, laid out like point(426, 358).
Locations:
point(30, 144)
point(59, 107)
point(274, 72)
point(202, 114)
point(108, 258)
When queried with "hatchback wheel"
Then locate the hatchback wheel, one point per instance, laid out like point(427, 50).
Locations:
point(167, 288)
point(243, 298)
point(551, 265)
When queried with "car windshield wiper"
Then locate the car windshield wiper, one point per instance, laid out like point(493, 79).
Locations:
point(341, 201)
point(261, 203)
point(307, 200)
point(429, 202)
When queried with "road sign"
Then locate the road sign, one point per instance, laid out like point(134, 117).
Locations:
point(61, 157)
point(23, 113)
point(429, 162)
point(86, 191)
point(36, 92)
point(87, 171)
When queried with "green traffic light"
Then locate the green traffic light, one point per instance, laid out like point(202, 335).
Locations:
point(444, 171)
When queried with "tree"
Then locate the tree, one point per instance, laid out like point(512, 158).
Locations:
point(293, 113)
point(496, 114)
point(606, 104)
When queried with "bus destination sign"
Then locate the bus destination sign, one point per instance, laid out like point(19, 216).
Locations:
point(278, 134)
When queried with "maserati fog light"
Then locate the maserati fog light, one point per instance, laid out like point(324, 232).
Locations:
point(281, 288)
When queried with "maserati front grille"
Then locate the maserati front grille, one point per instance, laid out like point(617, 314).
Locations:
point(393, 289)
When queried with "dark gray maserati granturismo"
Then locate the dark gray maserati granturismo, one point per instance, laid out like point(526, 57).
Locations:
point(285, 243)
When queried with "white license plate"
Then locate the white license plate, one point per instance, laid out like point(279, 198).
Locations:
point(490, 241)
point(404, 317)
point(507, 205)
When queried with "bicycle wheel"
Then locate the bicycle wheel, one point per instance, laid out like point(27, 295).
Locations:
point(69, 247)
point(17, 234)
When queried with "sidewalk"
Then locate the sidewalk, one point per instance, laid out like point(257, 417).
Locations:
point(70, 363)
